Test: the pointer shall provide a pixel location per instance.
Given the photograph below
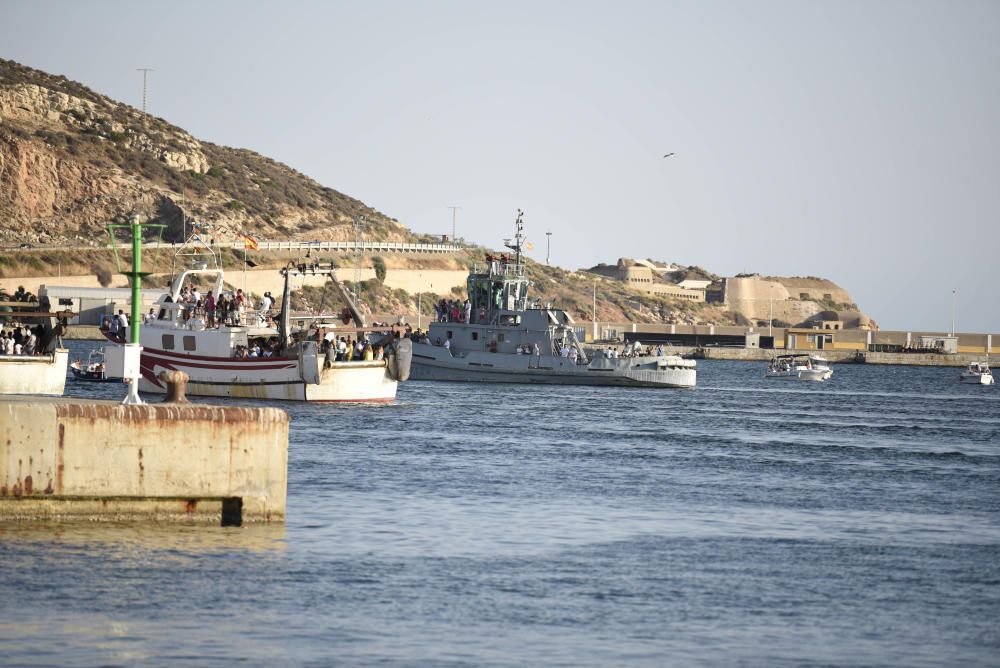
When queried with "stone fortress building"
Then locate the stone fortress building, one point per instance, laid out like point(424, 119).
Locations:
point(804, 301)
point(648, 276)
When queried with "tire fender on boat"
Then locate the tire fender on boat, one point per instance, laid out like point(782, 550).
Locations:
point(398, 357)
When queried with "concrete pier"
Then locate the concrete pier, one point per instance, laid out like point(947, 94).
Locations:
point(101, 460)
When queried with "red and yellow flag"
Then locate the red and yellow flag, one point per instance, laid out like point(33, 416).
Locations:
point(249, 242)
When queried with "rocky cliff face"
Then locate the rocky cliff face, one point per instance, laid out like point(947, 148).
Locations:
point(72, 161)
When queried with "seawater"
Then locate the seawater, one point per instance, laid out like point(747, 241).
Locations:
point(744, 522)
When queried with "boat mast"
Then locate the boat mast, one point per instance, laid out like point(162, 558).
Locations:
point(518, 238)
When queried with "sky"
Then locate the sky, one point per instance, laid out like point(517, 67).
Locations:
point(857, 141)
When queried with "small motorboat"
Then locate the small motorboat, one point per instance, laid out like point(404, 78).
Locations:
point(978, 373)
point(800, 366)
point(93, 369)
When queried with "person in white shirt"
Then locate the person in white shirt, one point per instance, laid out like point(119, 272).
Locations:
point(122, 321)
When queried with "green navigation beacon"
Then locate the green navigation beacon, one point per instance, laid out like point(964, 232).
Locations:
point(128, 355)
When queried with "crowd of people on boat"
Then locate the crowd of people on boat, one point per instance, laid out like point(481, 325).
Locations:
point(634, 349)
point(20, 295)
point(452, 310)
point(258, 347)
point(347, 349)
point(22, 340)
point(236, 309)
point(19, 339)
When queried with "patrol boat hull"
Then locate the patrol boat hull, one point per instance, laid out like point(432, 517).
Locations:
point(437, 363)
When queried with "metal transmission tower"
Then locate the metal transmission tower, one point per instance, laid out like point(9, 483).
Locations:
point(453, 210)
point(145, 72)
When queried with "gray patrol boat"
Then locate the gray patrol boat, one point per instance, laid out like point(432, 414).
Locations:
point(504, 340)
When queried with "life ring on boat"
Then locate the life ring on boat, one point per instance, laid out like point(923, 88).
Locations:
point(345, 315)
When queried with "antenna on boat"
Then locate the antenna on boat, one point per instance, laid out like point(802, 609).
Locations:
point(518, 241)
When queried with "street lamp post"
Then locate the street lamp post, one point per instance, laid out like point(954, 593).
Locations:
point(548, 245)
point(953, 312)
point(594, 335)
point(770, 310)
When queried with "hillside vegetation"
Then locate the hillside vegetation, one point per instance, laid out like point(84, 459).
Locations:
point(72, 160)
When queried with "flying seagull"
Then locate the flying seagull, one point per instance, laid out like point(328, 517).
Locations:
point(668, 155)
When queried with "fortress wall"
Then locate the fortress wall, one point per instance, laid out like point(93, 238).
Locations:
point(756, 298)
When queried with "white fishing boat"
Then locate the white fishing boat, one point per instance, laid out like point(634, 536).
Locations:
point(503, 339)
point(248, 357)
point(34, 374)
point(978, 373)
point(799, 366)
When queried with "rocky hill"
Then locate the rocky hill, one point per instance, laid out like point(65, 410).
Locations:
point(72, 160)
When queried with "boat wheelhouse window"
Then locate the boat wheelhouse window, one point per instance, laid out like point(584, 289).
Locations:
point(475, 336)
point(449, 333)
point(168, 341)
point(189, 343)
point(500, 337)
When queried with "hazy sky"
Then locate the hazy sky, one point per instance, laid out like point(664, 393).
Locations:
point(858, 141)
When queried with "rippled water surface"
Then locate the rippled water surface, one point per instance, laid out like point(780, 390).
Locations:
point(854, 522)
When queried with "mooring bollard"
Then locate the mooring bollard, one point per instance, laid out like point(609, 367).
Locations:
point(176, 382)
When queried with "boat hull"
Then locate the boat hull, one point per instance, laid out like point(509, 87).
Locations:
point(34, 374)
point(276, 378)
point(976, 379)
point(815, 375)
point(435, 363)
point(91, 375)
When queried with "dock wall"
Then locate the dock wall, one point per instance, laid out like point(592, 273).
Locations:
point(908, 359)
point(101, 460)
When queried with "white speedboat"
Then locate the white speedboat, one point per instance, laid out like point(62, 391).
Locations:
point(800, 366)
point(978, 373)
point(93, 369)
point(249, 358)
point(501, 339)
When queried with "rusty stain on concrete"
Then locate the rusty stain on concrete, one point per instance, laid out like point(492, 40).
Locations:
point(59, 458)
point(171, 413)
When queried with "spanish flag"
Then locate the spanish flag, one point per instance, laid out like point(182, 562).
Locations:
point(529, 245)
point(249, 242)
